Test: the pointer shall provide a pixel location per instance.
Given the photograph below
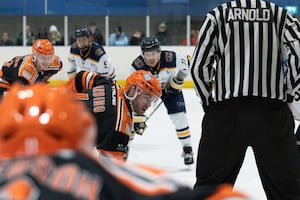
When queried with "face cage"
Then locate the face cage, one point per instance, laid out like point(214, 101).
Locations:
point(44, 58)
point(146, 97)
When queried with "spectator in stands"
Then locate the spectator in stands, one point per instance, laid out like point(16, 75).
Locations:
point(96, 34)
point(5, 40)
point(137, 37)
point(29, 37)
point(55, 36)
point(42, 33)
point(193, 39)
point(118, 37)
point(162, 34)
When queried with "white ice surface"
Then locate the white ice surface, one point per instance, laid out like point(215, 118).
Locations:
point(160, 147)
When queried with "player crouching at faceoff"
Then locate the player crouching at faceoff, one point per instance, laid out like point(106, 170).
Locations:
point(170, 68)
point(46, 141)
point(39, 66)
point(115, 108)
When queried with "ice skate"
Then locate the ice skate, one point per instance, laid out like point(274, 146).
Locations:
point(188, 155)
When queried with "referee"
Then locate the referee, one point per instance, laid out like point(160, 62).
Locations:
point(246, 69)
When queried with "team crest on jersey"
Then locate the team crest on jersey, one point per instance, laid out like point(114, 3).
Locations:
point(99, 52)
point(138, 63)
point(169, 57)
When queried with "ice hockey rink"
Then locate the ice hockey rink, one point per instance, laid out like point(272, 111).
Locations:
point(159, 147)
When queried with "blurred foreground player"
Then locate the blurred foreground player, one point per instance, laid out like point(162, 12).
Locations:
point(46, 137)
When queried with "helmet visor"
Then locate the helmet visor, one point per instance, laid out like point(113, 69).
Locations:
point(146, 97)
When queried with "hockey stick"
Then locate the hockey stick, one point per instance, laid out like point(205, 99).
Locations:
point(153, 111)
point(139, 125)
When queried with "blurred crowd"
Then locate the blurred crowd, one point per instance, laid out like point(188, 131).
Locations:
point(118, 37)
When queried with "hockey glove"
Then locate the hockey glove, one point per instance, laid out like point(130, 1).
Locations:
point(174, 86)
point(139, 124)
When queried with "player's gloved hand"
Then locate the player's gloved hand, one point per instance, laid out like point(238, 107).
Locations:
point(174, 86)
point(139, 124)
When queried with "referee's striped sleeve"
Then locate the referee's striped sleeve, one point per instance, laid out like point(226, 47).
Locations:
point(202, 78)
point(292, 40)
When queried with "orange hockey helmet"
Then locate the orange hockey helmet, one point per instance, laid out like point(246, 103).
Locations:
point(144, 80)
point(38, 119)
point(43, 53)
point(43, 47)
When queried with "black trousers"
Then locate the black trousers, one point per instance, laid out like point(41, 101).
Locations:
point(297, 134)
point(228, 128)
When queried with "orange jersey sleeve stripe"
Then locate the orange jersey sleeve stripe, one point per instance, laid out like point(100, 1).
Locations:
point(3, 85)
point(82, 96)
point(154, 182)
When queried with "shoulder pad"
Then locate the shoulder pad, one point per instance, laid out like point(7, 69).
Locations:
point(28, 70)
point(139, 62)
point(56, 64)
point(99, 51)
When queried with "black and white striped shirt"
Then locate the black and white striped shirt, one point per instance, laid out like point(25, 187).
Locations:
point(247, 48)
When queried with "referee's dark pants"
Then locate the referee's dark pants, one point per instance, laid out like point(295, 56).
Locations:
point(229, 127)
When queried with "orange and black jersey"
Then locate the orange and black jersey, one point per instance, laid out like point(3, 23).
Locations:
point(22, 69)
point(113, 114)
point(72, 175)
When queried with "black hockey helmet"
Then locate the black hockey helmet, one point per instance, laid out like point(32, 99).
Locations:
point(81, 32)
point(150, 44)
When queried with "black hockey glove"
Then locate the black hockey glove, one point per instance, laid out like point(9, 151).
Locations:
point(139, 124)
point(174, 86)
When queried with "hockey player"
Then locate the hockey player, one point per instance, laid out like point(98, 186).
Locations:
point(116, 108)
point(170, 69)
point(39, 66)
point(46, 137)
point(89, 56)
